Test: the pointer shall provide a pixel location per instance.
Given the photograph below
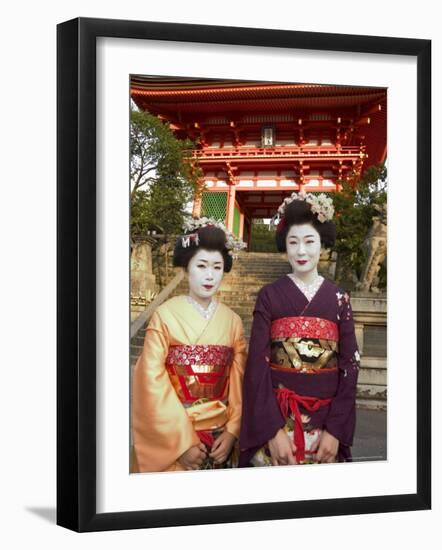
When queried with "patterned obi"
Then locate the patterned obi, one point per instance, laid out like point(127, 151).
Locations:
point(304, 344)
point(200, 377)
point(199, 372)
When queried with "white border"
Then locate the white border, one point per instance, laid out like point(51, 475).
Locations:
point(116, 489)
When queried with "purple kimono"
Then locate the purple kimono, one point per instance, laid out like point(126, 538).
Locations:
point(301, 371)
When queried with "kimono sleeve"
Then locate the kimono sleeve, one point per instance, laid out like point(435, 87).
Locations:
point(261, 417)
point(162, 430)
point(236, 380)
point(341, 419)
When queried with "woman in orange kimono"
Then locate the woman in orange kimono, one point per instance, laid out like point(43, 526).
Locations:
point(187, 383)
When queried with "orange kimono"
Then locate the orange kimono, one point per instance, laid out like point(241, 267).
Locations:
point(187, 383)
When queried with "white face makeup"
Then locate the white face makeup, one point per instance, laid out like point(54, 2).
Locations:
point(205, 272)
point(303, 250)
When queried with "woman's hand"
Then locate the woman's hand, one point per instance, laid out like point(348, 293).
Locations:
point(328, 448)
point(193, 457)
point(222, 447)
point(282, 449)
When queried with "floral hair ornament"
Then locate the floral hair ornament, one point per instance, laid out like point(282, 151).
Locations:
point(321, 205)
point(193, 225)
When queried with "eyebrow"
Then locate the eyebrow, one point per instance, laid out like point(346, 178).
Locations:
point(218, 262)
point(305, 236)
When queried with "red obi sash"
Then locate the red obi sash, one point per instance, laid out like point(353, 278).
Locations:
point(304, 327)
point(199, 372)
point(304, 344)
point(289, 401)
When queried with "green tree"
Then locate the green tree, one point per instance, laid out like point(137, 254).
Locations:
point(263, 237)
point(355, 206)
point(164, 175)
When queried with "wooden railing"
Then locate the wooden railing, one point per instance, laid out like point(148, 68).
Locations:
point(305, 152)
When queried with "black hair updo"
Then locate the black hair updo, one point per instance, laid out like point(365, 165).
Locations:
point(299, 212)
point(209, 238)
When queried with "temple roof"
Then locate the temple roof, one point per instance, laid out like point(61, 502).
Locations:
point(212, 102)
point(189, 95)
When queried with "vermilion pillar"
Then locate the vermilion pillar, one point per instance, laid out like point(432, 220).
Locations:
point(230, 208)
point(241, 225)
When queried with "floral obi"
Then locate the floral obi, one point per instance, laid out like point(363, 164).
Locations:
point(304, 344)
point(199, 372)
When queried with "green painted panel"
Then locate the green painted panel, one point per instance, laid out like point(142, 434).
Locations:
point(236, 220)
point(214, 205)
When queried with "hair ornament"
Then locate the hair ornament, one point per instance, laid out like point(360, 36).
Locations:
point(233, 244)
point(320, 204)
point(187, 240)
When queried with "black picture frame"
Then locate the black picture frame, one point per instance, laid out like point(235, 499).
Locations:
point(76, 273)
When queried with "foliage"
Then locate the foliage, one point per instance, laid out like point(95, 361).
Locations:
point(355, 206)
point(263, 237)
point(139, 215)
point(164, 175)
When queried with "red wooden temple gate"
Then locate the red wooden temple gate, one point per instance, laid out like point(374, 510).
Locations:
point(260, 141)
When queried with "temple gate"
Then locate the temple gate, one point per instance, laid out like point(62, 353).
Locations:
point(257, 142)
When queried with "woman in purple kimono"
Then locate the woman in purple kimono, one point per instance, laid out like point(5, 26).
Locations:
point(302, 368)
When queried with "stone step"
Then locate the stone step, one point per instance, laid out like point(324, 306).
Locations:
point(283, 268)
point(260, 280)
point(242, 286)
point(371, 391)
point(371, 404)
point(236, 300)
point(269, 263)
point(243, 311)
point(261, 266)
point(372, 377)
point(138, 340)
point(255, 277)
point(250, 286)
point(136, 349)
point(257, 280)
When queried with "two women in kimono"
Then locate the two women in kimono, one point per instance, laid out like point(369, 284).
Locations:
point(298, 394)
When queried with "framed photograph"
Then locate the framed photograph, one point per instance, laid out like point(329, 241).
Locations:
point(267, 113)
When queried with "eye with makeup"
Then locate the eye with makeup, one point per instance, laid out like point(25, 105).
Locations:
point(216, 267)
point(310, 241)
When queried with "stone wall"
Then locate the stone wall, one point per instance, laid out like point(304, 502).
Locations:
point(370, 317)
point(143, 284)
